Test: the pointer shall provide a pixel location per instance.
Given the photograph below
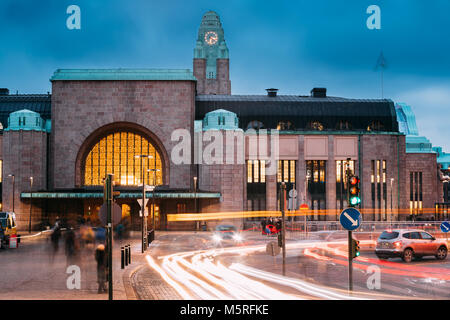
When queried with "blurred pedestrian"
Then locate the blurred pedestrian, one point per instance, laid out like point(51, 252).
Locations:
point(56, 234)
point(2, 236)
point(70, 245)
point(263, 226)
point(278, 225)
point(102, 264)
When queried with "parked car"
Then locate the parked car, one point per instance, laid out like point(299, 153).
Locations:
point(224, 232)
point(409, 244)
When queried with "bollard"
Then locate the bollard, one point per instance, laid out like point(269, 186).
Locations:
point(129, 254)
point(122, 256)
point(126, 255)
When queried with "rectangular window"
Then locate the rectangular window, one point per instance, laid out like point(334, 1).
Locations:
point(256, 171)
point(316, 187)
point(341, 181)
point(286, 171)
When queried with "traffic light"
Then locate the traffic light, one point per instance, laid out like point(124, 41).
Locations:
point(355, 248)
point(353, 191)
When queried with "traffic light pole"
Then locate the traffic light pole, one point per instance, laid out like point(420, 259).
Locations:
point(283, 225)
point(109, 197)
point(350, 263)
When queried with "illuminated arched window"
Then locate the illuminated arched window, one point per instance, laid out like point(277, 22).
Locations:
point(316, 125)
point(255, 124)
point(375, 126)
point(285, 125)
point(116, 153)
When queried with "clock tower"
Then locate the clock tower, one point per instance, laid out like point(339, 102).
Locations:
point(211, 62)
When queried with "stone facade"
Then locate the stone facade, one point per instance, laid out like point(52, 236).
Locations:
point(24, 155)
point(220, 85)
point(80, 109)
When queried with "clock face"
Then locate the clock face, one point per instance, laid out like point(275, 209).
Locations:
point(211, 37)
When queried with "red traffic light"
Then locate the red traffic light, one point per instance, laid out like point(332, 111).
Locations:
point(354, 180)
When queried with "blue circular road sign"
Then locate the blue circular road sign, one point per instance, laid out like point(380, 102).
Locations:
point(350, 219)
point(445, 226)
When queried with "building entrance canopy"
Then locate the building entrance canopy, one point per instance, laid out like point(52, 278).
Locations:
point(122, 195)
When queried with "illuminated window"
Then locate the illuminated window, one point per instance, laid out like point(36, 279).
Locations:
point(286, 171)
point(375, 126)
point(256, 171)
point(316, 125)
point(285, 125)
point(341, 181)
point(126, 210)
point(116, 154)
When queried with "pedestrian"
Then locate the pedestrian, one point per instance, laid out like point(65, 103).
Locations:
point(56, 234)
point(278, 225)
point(102, 264)
point(70, 245)
point(263, 226)
point(2, 236)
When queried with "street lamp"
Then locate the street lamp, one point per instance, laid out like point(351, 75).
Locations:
point(13, 182)
point(195, 202)
point(143, 217)
point(31, 202)
point(153, 198)
point(392, 182)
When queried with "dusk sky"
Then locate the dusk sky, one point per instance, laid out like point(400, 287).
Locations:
point(290, 45)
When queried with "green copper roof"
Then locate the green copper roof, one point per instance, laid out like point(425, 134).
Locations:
point(26, 120)
point(123, 74)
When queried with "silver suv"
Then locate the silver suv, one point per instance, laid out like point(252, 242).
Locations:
point(409, 244)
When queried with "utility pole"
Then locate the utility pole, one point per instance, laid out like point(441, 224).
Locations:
point(109, 197)
point(143, 216)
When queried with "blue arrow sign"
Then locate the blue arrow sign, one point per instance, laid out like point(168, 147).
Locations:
point(350, 219)
point(445, 226)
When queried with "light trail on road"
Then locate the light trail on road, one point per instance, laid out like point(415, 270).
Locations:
point(195, 275)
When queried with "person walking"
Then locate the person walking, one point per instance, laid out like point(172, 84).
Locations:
point(263, 226)
point(102, 263)
point(2, 236)
point(70, 245)
point(56, 234)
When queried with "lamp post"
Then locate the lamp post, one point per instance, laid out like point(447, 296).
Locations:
point(392, 183)
point(31, 202)
point(195, 202)
point(153, 197)
point(308, 176)
point(13, 183)
point(143, 217)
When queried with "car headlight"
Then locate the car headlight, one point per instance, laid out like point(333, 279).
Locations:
point(237, 237)
point(217, 238)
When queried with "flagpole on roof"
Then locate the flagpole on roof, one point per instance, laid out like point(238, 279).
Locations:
point(381, 63)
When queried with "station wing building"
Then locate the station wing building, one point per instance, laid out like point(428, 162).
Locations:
point(56, 149)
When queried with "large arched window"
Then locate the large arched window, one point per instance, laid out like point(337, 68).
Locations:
point(116, 153)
